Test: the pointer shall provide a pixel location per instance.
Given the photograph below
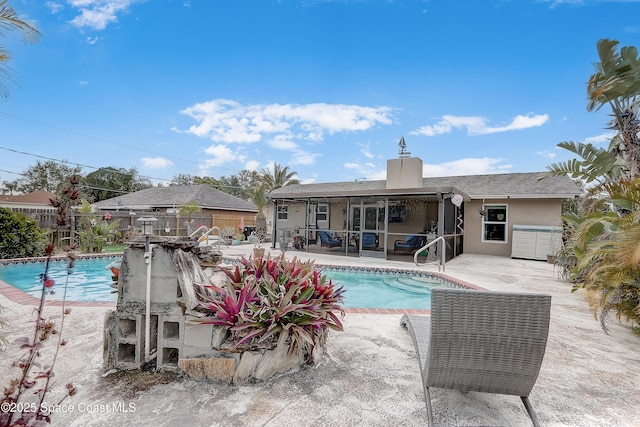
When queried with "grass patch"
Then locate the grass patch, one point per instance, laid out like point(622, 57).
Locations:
point(113, 249)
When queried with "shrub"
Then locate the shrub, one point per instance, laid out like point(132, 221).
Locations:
point(20, 236)
point(267, 300)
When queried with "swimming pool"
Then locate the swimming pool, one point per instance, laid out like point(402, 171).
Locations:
point(377, 288)
point(90, 280)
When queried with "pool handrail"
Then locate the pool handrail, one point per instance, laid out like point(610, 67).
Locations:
point(208, 232)
point(443, 256)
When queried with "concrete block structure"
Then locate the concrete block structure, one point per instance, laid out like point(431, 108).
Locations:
point(177, 341)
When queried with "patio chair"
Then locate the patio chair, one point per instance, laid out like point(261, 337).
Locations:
point(491, 342)
point(412, 244)
point(369, 240)
point(328, 241)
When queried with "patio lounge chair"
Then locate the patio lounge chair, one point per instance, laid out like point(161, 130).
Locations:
point(328, 241)
point(412, 244)
point(369, 240)
point(491, 342)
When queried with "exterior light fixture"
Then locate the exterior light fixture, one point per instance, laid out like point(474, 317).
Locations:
point(147, 224)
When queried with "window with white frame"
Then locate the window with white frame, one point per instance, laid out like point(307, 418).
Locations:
point(494, 223)
point(283, 212)
point(322, 212)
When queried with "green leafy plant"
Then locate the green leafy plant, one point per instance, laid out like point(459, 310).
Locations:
point(93, 232)
point(20, 236)
point(269, 300)
point(602, 249)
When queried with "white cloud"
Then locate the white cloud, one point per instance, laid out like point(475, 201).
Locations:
point(156, 162)
point(604, 138)
point(304, 158)
point(365, 171)
point(97, 14)
point(468, 166)
point(220, 154)
point(546, 154)
point(281, 142)
point(366, 151)
point(252, 165)
point(476, 125)
point(54, 7)
point(228, 121)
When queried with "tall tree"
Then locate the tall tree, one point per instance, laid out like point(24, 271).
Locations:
point(603, 237)
point(616, 83)
point(9, 21)
point(256, 195)
point(9, 186)
point(280, 177)
point(240, 184)
point(46, 176)
point(109, 182)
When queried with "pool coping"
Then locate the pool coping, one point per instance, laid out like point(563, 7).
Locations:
point(18, 296)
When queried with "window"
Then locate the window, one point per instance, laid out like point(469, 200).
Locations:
point(322, 213)
point(283, 212)
point(494, 223)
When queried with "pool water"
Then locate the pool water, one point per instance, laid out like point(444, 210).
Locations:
point(365, 289)
point(89, 280)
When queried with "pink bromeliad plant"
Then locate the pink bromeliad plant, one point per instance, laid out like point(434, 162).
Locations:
point(267, 301)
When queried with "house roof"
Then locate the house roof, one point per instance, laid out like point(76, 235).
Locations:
point(497, 186)
point(40, 198)
point(203, 195)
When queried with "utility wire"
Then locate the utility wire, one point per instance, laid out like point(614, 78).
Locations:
point(73, 163)
point(107, 141)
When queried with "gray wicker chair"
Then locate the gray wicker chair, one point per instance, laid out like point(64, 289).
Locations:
point(484, 341)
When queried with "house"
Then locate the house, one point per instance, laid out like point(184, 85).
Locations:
point(38, 200)
point(217, 208)
point(475, 214)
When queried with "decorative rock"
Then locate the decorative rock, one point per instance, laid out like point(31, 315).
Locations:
point(277, 361)
point(247, 365)
point(217, 368)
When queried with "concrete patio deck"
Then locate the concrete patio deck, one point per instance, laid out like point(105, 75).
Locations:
point(370, 376)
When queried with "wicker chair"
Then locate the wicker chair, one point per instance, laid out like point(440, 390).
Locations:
point(483, 341)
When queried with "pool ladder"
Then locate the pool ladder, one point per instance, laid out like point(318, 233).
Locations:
point(443, 255)
point(208, 232)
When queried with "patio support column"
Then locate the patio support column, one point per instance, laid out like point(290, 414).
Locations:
point(306, 224)
point(274, 229)
point(441, 243)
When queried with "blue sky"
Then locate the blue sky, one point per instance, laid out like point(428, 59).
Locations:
point(326, 87)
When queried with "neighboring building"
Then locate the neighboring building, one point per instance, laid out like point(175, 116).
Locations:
point(37, 200)
point(217, 207)
point(374, 218)
point(36, 205)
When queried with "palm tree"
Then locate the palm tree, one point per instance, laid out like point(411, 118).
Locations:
point(257, 197)
point(9, 21)
point(616, 83)
point(607, 247)
point(188, 210)
point(603, 238)
point(279, 178)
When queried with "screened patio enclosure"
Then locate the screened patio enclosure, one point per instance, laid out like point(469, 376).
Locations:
point(378, 226)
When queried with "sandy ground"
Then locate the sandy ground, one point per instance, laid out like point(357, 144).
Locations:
point(369, 377)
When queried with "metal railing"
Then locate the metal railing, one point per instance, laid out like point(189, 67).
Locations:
point(207, 233)
point(443, 252)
